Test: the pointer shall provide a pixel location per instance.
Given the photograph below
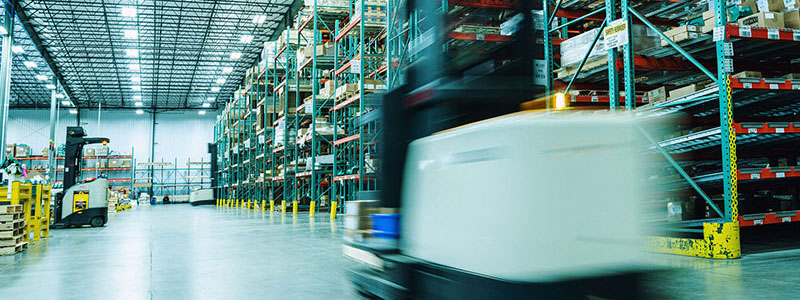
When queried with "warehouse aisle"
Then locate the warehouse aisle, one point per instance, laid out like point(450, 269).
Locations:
point(184, 252)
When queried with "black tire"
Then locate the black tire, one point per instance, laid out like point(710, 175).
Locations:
point(96, 222)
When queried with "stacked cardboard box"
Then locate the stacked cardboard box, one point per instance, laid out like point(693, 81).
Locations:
point(88, 152)
point(747, 74)
point(682, 33)
point(125, 163)
point(763, 19)
point(574, 49)
point(686, 90)
point(22, 151)
point(357, 222)
point(374, 12)
point(12, 229)
point(657, 95)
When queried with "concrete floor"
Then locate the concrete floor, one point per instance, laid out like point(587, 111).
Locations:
point(184, 252)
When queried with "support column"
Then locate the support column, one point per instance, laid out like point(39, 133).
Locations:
point(613, 79)
point(728, 136)
point(548, 52)
point(5, 77)
point(51, 148)
point(627, 57)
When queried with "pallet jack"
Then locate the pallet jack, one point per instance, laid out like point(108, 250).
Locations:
point(454, 145)
point(80, 203)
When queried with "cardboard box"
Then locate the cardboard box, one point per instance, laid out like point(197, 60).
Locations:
point(686, 90)
point(791, 4)
point(763, 19)
point(22, 151)
point(113, 163)
point(657, 95)
point(770, 5)
point(682, 33)
point(791, 19)
point(357, 222)
point(88, 152)
point(359, 207)
point(747, 74)
point(125, 163)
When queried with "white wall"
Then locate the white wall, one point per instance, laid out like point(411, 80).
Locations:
point(180, 135)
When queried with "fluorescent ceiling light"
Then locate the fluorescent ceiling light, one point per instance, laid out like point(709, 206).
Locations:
point(60, 96)
point(17, 49)
point(41, 77)
point(211, 98)
point(227, 70)
point(136, 88)
point(220, 80)
point(66, 103)
point(246, 39)
point(50, 86)
point(136, 79)
point(133, 67)
point(139, 103)
point(201, 112)
point(73, 111)
point(139, 111)
point(215, 89)
point(137, 97)
point(129, 11)
point(132, 52)
point(236, 55)
point(206, 105)
point(30, 64)
point(131, 33)
point(259, 19)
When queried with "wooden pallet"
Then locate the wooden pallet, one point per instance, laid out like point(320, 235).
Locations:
point(13, 241)
point(11, 225)
point(11, 250)
point(592, 63)
point(9, 209)
point(11, 216)
point(7, 234)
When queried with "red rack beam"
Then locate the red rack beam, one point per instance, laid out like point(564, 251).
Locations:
point(347, 28)
point(347, 102)
point(760, 33)
point(770, 218)
point(346, 139)
point(767, 128)
point(767, 173)
point(763, 84)
point(480, 37)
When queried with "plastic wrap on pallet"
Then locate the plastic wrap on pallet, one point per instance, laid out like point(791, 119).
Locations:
point(343, 4)
point(574, 49)
point(512, 25)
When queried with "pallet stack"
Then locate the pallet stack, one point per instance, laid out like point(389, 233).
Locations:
point(12, 229)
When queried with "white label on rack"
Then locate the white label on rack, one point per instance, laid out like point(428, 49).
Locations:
point(773, 34)
point(719, 33)
point(773, 86)
point(780, 175)
point(796, 35)
point(616, 34)
point(480, 37)
point(786, 219)
point(355, 66)
point(758, 222)
point(595, 99)
point(779, 130)
point(261, 139)
point(380, 86)
point(752, 130)
point(728, 64)
point(747, 85)
point(796, 86)
point(369, 86)
point(789, 4)
point(744, 31)
point(755, 176)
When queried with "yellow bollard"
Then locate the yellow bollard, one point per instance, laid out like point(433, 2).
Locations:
point(333, 209)
point(263, 205)
point(248, 204)
point(294, 207)
point(283, 206)
point(271, 205)
point(311, 209)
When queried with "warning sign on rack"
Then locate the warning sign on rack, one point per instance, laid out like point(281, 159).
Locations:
point(616, 34)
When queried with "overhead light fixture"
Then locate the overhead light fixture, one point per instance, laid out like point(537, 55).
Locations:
point(129, 11)
point(227, 70)
point(136, 79)
point(206, 105)
point(246, 39)
point(17, 49)
point(259, 19)
point(73, 111)
point(136, 88)
point(220, 80)
point(132, 52)
point(215, 89)
point(41, 77)
point(139, 111)
point(138, 104)
point(60, 96)
point(211, 98)
point(66, 103)
point(131, 33)
point(137, 97)
point(133, 67)
point(201, 112)
point(30, 64)
point(236, 55)
point(50, 86)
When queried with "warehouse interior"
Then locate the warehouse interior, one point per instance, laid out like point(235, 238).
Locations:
point(399, 149)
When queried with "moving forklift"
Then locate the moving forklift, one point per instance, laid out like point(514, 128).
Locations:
point(80, 203)
point(481, 186)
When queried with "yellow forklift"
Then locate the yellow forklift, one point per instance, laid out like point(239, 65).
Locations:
point(80, 203)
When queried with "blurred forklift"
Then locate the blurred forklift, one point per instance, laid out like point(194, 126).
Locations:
point(479, 184)
point(86, 202)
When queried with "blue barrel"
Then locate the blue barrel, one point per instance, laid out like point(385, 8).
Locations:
point(386, 225)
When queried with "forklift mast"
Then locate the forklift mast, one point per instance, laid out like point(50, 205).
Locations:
point(73, 154)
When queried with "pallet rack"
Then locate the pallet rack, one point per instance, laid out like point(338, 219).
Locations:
point(310, 156)
point(732, 153)
point(118, 176)
point(166, 178)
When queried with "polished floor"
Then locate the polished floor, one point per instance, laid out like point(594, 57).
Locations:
point(184, 252)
